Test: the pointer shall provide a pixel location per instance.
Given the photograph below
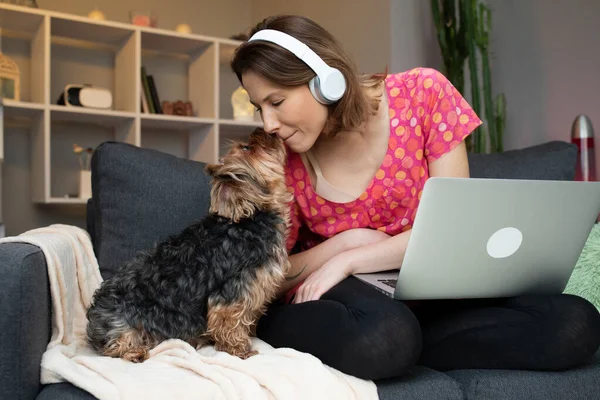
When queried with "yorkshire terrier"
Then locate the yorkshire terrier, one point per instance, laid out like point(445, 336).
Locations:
point(211, 282)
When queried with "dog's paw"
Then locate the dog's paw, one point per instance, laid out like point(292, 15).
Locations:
point(247, 354)
point(241, 352)
point(136, 355)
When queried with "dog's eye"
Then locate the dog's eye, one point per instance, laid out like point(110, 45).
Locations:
point(245, 148)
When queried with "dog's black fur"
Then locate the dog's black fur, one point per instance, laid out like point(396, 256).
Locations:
point(166, 292)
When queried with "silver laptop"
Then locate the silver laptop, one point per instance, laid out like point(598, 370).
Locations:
point(486, 238)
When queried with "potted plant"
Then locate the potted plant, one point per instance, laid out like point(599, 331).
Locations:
point(463, 31)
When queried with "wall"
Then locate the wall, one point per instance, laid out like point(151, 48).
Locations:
point(546, 59)
point(361, 27)
point(413, 41)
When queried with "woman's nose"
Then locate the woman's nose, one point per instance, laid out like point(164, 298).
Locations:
point(270, 122)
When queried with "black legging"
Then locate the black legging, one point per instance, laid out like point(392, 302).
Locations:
point(360, 331)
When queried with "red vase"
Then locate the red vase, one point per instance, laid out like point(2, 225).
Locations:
point(582, 134)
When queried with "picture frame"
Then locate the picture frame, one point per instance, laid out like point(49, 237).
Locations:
point(10, 78)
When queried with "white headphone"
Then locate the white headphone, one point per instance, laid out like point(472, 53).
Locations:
point(329, 85)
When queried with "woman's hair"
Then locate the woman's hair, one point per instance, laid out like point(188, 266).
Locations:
point(282, 67)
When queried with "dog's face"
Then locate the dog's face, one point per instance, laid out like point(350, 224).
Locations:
point(250, 176)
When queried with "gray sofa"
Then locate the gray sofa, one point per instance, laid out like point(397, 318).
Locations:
point(141, 195)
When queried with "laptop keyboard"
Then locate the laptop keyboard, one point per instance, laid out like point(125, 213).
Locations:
point(390, 282)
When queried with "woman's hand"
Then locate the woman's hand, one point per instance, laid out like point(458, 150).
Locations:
point(328, 254)
point(330, 274)
point(337, 268)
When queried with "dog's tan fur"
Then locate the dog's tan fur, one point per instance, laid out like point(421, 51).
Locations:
point(230, 326)
point(239, 203)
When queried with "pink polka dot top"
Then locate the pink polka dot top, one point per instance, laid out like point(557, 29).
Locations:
point(428, 118)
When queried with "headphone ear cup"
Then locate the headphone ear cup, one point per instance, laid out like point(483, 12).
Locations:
point(315, 89)
point(332, 85)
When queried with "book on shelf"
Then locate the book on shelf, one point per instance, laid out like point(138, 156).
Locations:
point(154, 94)
point(149, 94)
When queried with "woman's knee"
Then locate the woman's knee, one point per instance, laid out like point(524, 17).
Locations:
point(581, 320)
point(386, 343)
point(577, 328)
point(371, 339)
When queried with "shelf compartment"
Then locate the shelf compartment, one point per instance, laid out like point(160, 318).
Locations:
point(112, 67)
point(19, 114)
point(28, 47)
point(187, 77)
point(122, 124)
point(87, 30)
point(196, 141)
point(12, 18)
point(86, 130)
point(183, 67)
point(228, 81)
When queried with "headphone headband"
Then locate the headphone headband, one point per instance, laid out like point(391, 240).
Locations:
point(329, 85)
point(300, 50)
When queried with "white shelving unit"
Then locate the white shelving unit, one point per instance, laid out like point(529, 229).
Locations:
point(65, 48)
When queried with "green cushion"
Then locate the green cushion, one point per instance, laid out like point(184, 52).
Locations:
point(585, 280)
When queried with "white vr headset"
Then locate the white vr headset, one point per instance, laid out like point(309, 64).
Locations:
point(329, 85)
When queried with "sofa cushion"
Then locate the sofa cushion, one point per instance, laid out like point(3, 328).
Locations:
point(424, 383)
point(63, 391)
point(578, 383)
point(555, 160)
point(139, 196)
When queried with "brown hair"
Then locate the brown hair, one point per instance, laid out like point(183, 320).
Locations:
point(282, 67)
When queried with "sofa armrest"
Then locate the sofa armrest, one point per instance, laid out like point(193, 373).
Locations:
point(25, 319)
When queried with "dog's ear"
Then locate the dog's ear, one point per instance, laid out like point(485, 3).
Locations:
point(211, 169)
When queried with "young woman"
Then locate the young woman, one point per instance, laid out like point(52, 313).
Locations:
point(357, 165)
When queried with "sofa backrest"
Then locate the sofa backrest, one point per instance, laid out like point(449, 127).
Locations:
point(555, 160)
point(140, 196)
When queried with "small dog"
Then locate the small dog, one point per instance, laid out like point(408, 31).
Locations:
point(211, 282)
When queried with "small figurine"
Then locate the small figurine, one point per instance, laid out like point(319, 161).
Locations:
point(189, 109)
point(167, 107)
point(179, 108)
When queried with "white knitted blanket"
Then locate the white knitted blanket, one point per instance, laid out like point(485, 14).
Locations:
point(175, 370)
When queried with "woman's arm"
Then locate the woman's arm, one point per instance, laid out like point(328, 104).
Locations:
point(306, 262)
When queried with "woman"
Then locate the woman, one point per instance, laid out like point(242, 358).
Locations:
point(357, 166)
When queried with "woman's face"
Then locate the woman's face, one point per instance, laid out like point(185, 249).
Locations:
point(292, 113)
